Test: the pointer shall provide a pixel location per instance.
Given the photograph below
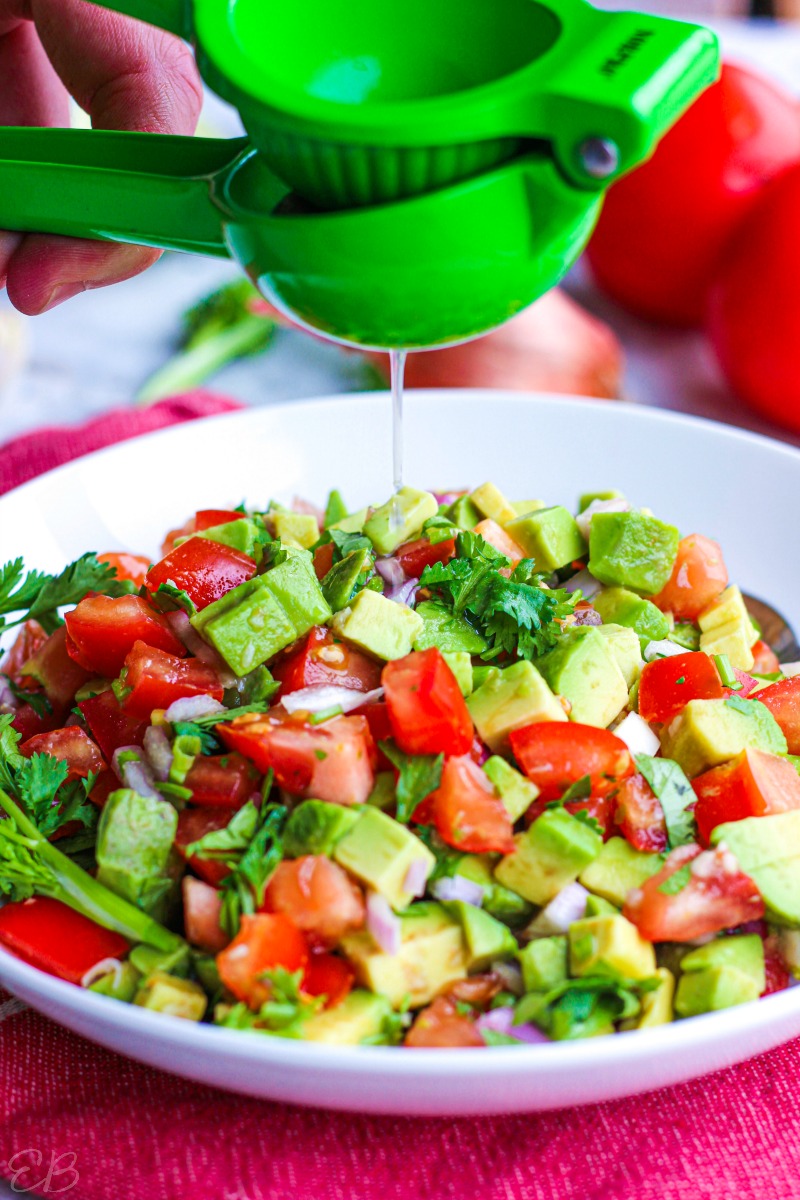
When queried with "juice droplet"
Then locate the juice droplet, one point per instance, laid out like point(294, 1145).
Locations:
point(397, 359)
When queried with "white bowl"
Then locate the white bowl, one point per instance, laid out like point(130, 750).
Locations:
point(708, 478)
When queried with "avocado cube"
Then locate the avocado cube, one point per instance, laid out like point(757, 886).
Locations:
point(626, 648)
point(726, 628)
point(589, 498)
point(498, 901)
point(544, 963)
point(463, 513)
point(516, 792)
point(243, 535)
point(610, 946)
point(400, 519)
point(247, 626)
point(361, 1016)
point(620, 607)
point(728, 607)
point(340, 581)
point(486, 939)
point(582, 667)
point(596, 906)
point(120, 984)
point(379, 851)
point(550, 537)
point(149, 959)
point(618, 869)
point(378, 626)
point(483, 671)
point(301, 528)
point(353, 522)
point(446, 631)
point(432, 953)
point(745, 952)
point(713, 989)
point(134, 843)
point(315, 827)
point(551, 853)
point(657, 1006)
point(710, 732)
point(295, 586)
point(768, 850)
point(632, 550)
point(512, 698)
point(335, 508)
point(490, 502)
point(461, 665)
point(523, 507)
point(176, 997)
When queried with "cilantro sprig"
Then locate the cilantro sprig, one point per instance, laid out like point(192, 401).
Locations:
point(34, 595)
point(39, 785)
point(419, 775)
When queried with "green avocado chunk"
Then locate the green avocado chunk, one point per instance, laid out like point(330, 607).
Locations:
point(243, 535)
point(726, 972)
point(708, 733)
point(400, 519)
point(134, 844)
point(610, 945)
point(509, 699)
point(509, 907)
point(768, 850)
point(589, 498)
point(618, 869)
point(516, 792)
point(315, 827)
point(583, 668)
point(120, 984)
point(486, 938)
point(632, 550)
point(379, 851)
point(617, 606)
point(544, 963)
point(626, 648)
point(338, 584)
point(175, 997)
point(550, 854)
point(550, 536)
point(360, 1017)
point(463, 513)
point(449, 633)
point(378, 626)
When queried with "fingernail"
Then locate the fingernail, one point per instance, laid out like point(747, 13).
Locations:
point(64, 291)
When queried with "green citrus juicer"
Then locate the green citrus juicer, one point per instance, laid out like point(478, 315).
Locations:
point(414, 171)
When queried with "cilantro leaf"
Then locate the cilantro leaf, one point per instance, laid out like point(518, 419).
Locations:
point(740, 705)
point(37, 700)
point(673, 789)
point(283, 1014)
point(37, 596)
point(580, 790)
point(583, 1007)
point(677, 882)
point(39, 784)
point(420, 774)
point(168, 597)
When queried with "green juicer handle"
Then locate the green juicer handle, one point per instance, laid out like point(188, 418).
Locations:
point(125, 187)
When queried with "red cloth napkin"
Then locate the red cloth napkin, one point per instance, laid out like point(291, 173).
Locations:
point(76, 1120)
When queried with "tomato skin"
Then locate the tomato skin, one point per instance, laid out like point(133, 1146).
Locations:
point(323, 560)
point(322, 659)
point(427, 711)
point(414, 557)
point(329, 976)
point(698, 576)
point(205, 570)
point(754, 784)
point(221, 780)
point(777, 974)
point(766, 661)
point(332, 761)
point(640, 815)
point(57, 939)
point(376, 715)
point(662, 696)
point(53, 668)
point(318, 896)
point(556, 754)
point(442, 1026)
point(28, 642)
point(264, 941)
point(193, 824)
point(109, 725)
point(202, 906)
point(207, 518)
point(70, 745)
point(715, 898)
point(664, 226)
point(783, 701)
point(466, 811)
point(103, 629)
point(133, 567)
point(157, 678)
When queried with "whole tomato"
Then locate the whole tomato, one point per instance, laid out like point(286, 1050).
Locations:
point(754, 305)
point(664, 226)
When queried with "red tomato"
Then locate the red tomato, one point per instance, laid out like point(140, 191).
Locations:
point(668, 684)
point(640, 815)
point(328, 976)
point(128, 566)
point(27, 642)
point(221, 780)
point(207, 518)
point(193, 824)
point(109, 725)
point(556, 754)
point(755, 784)
point(766, 661)
point(754, 305)
point(105, 784)
point(157, 678)
point(783, 701)
point(698, 576)
point(322, 659)
point(664, 226)
point(323, 560)
point(718, 895)
point(775, 969)
point(331, 761)
point(205, 570)
point(102, 631)
point(492, 533)
point(414, 557)
point(202, 906)
point(264, 941)
point(55, 670)
point(72, 746)
point(377, 717)
point(57, 939)
point(467, 812)
point(441, 1025)
point(318, 896)
point(427, 711)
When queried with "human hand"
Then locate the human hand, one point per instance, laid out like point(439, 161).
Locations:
point(125, 75)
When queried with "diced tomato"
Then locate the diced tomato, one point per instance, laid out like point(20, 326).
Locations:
point(323, 560)
point(328, 976)
point(556, 754)
point(133, 567)
point(640, 816)
point(318, 896)
point(186, 530)
point(109, 725)
point(53, 668)
point(496, 536)
point(755, 784)
point(193, 824)
point(718, 895)
point(783, 701)
point(207, 518)
point(467, 812)
point(777, 973)
point(28, 723)
point(442, 1026)
point(766, 661)
point(414, 557)
point(156, 678)
point(103, 629)
point(668, 684)
point(322, 659)
point(377, 717)
point(427, 711)
point(205, 570)
point(57, 939)
point(332, 761)
point(29, 639)
point(221, 780)
point(264, 942)
point(698, 576)
point(105, 784)
point(202, 907)
point(72, 746)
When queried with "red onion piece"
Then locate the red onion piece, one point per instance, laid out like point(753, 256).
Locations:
point(584, 582)
point(324, 696)
point(447, 497)
point(158, 752)
point(568, 906)
point(383, 924)
point(587, 616)
point(391, 571)
point(188, 708)
point(185, 632)
point(417, 877)
point(299, 505)
point(135, 774)
point(459, 888)
point(406, 594)
point(106, 966)
point(511, 975)
point(501, 1020)
point(8, 701)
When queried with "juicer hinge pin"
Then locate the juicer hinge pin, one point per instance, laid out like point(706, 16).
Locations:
point(599, 157)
